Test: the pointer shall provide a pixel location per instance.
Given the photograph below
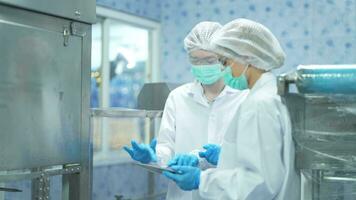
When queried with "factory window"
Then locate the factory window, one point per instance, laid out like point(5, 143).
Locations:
point(124, 57)
point(96, 63)
point(128, 55)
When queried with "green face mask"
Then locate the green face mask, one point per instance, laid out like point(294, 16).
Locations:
point(239, 83)
point(207, 74)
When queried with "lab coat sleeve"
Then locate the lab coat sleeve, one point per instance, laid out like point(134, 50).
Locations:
point(166, 137)
point(256, 169)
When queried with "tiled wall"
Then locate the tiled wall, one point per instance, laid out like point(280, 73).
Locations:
point(311, 32)
point(150, 9)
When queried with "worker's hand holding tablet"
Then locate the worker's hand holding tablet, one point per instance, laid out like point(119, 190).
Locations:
point(182, 169)
point(186, 177)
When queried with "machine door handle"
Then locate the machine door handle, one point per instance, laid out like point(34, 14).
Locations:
point(10, 189)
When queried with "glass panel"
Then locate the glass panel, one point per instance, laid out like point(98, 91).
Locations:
point(111, 134)
point(96, 127)
point(96, 53)
point(128, 54)
point(119, 137)
point(56, 187)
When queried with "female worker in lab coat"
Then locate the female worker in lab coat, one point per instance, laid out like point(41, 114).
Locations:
point(195, 114)
point(257, 156)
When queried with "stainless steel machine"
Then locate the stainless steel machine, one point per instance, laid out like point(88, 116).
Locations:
point(323, 115)
point(44, 94)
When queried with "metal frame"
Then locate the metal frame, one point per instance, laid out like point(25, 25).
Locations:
point(28, 174)
point(124, 112)
point(86, 163)
point(77, 177)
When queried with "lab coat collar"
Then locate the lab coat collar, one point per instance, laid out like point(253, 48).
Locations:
point(265, 78)
point(196, 91)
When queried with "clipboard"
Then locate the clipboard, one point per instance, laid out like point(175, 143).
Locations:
point(155, 168)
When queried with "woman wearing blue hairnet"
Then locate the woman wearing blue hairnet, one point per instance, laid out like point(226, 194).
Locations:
point(196, 114)
point(257, 156)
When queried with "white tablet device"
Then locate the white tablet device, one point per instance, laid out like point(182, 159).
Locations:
point(155, 168)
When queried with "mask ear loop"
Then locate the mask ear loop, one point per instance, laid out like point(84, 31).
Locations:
point(245, 70)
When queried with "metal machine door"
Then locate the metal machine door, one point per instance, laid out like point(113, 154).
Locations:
point(44, 90)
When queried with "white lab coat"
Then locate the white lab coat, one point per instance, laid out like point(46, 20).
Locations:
point(257, 156)
point(189, 122)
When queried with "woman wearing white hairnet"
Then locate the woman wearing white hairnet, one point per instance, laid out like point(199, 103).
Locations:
point(257, 156)
point(196, 114)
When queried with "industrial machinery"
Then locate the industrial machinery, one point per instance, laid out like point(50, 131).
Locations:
point(44, 96)
point(323, 115)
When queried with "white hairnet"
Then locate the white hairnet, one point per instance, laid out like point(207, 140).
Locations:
point(200, 36)
point(249, 42)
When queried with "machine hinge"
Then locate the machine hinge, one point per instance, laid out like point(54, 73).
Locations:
point(74, 29)
point(77, 29)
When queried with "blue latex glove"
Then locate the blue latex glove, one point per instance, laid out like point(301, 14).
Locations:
point(142, 152)
point(184, 160)
point(211, 154)
point(187, 177)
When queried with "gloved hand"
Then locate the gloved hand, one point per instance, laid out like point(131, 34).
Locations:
point(187, 177)
point(142, 152)
point(211, 154)
point(184, 160)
